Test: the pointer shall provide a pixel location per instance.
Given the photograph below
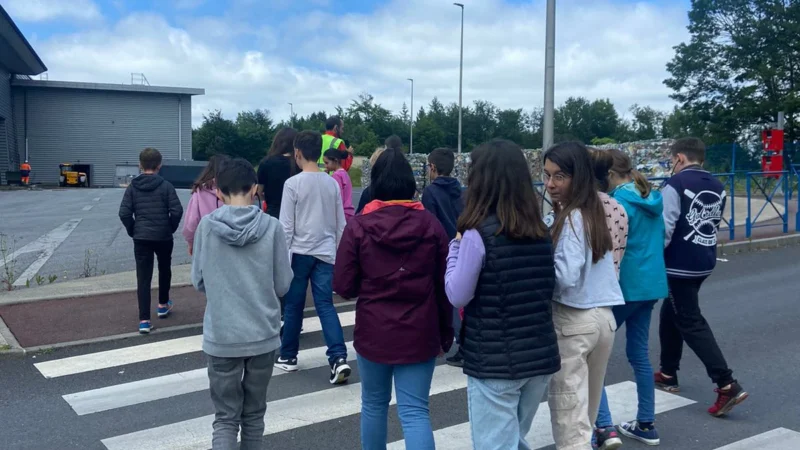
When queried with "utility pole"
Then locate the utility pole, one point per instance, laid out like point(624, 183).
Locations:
point(549, 75)
point(291, 114)
point(460, 75)
point(411, 129)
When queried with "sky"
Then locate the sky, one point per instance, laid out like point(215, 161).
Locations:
point(316, 54)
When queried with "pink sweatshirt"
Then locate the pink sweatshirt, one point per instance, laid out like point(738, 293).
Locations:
point(346, 186)
point(202, 203)
point(617, 222)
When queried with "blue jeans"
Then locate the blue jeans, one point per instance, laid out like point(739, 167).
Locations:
point(307, 268)
point(636, 317)
point(501, 411)
point(412, 385)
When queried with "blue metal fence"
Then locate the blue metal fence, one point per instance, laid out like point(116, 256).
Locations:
point(769, 195)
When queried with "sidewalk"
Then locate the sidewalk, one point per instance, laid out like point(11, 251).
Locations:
point(97, 307)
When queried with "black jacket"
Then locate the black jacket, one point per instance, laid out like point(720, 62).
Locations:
point(150, 209)
point(508, 331)
point(443, 199)
point(272, 174)
point(366, 197)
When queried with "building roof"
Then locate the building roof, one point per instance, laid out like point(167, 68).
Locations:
point(107, 87)
point(16, 54)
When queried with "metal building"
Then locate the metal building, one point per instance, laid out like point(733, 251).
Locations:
point(101, 128)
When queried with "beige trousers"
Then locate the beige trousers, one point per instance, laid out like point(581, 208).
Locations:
point(585, 340)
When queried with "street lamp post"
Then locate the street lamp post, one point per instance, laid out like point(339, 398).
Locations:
point(549, 75)
point(291, 114)
point(460, 74)
point(411, 126)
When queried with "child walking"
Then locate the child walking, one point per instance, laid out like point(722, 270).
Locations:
point(586, 289)
point(203, 200)
point(501, 271)
point(313, 219)
point(241, 262)
point(392, 258)
point(333, 165)
point(151, 213)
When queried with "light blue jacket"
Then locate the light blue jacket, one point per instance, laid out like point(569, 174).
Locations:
point(643, 274)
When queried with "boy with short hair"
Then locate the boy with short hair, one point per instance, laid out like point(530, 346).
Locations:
point(443, 198)
point(313, 219)
point(693, 204)
point(241, 262)
point(151, 213)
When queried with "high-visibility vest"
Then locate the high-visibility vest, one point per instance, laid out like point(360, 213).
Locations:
point(328, 142)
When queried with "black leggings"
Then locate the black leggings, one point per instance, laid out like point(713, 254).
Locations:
point(144, 252)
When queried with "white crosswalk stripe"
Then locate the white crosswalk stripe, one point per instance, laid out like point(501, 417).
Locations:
point(310, 404)
point(149, 352)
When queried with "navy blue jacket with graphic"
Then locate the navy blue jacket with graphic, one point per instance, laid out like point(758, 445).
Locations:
point(694, 201)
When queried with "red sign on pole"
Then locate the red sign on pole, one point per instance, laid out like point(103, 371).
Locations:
point(772, 159)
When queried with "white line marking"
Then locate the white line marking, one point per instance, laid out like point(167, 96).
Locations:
point(148, 352)
point(622, 400)
point(151, 389)
point(96, 199)
point(777, 439)
point(88, 207)
point(282, 415)
point(47, 245)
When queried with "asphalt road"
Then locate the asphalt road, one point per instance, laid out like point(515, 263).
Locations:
point(751, 302)
point(96, 246)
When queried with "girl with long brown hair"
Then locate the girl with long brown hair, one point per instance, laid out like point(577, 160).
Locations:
point(204, 198)
point(276, 168)
point(586, 289)
point(500, 270)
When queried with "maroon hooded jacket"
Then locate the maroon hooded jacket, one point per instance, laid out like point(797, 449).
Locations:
point(393, 259)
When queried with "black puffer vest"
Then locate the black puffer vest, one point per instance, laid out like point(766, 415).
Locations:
point(507, 332)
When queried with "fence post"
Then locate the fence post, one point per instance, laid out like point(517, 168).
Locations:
point(733, 158)
point(797, 214)
point(732, 224)
point(786, 191)
point(748, 227)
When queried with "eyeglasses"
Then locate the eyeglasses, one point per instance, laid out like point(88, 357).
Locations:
point(559, 178)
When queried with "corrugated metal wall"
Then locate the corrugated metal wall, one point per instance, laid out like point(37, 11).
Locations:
point(6, 147)
point(101, 128)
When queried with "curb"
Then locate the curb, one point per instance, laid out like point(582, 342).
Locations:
point(756, 245)
point(9, 347)
point(68, 295)
point(16, 351)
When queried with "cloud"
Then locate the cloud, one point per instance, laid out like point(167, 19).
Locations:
point(48, 10)
point(603, 50)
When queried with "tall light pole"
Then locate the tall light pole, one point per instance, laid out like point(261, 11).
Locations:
point(411, 129)
point(291, 114)
point(549, 75)
point(460, 74)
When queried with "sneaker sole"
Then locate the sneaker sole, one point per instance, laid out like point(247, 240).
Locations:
point(668, 387)
point(141, 331)
point(341, 376)
point(611, 444)
point(731, 403)
point(645, 441)
point(286, 367)
point(163, 315)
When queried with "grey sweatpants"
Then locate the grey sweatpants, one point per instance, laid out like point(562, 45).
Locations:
point(239, 391)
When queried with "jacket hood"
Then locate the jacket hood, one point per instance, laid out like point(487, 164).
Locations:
point(449, 185)
point(653, 205)
point(397, 226)
point(238, 225)
point(147, 182)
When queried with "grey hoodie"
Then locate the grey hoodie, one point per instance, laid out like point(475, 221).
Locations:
point(241, 262)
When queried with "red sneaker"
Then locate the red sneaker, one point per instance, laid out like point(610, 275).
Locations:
point(666, 384)
point(727, 399)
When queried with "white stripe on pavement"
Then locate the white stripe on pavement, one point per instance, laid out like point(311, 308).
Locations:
point(46, 245)
point(777, 439)
point(88, 207)
point(151, 389)
point(622, 400)
point(148, 352)
point(282, 415)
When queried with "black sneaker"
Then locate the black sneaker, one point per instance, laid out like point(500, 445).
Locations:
point(666, 384)
point(607, 438)
point(287, 365)
point(340, 371)
point(457, 360)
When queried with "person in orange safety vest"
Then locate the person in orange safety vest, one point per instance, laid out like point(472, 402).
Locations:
point(25, 173)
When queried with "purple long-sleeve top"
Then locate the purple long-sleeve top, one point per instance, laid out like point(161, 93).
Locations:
point(464, 265)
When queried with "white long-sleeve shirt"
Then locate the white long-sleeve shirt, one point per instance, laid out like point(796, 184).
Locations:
point(579, 282)
point(312, 215)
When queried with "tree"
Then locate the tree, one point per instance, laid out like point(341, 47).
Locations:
point(740, 66)
point(216, 135)
point(255, 130)
point(647, 122)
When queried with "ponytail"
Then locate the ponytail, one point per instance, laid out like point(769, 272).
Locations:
point(642, 185)
point(339, 155)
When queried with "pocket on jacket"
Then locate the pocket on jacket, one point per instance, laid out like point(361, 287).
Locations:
point(578, 329)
